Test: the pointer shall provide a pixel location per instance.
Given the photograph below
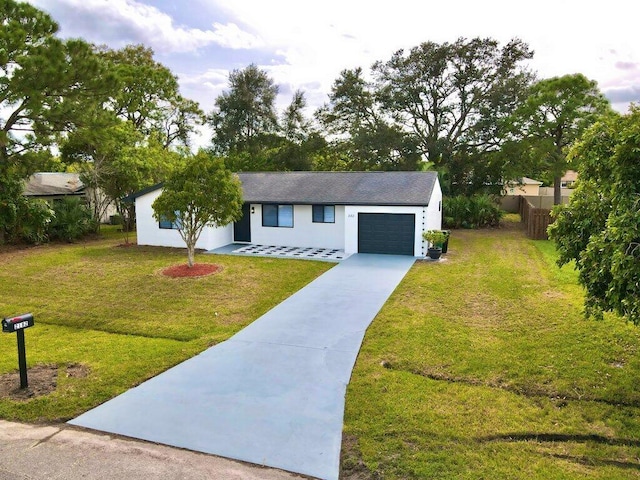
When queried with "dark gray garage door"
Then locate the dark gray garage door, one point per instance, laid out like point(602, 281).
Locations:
point(391, 233)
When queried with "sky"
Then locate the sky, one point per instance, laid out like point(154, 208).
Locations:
point(305, 45)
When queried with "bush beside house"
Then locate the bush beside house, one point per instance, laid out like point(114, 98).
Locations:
point(476, 211)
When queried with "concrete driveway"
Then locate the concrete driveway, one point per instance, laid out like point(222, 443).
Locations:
point(273, 394)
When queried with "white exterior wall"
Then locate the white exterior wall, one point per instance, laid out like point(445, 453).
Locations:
point(304, 233)
point(434, 210)
point(150, 233)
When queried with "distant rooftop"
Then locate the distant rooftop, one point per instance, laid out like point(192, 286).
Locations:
point(529, 181)
point(44, 184)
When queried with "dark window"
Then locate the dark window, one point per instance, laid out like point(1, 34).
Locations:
point(277, 216)
point(324, 214)
point(167, 225)
point(269, 215)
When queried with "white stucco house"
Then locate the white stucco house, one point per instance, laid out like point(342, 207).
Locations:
point(358, 212)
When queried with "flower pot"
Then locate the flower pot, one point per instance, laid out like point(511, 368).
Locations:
point(434, 252)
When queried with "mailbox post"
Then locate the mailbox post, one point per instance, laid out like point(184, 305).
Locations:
point(18, 324)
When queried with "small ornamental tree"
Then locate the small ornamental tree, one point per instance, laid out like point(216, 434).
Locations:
point(201, 193)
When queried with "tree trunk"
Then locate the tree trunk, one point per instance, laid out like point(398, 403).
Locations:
point(191, 252)
point(557, 190)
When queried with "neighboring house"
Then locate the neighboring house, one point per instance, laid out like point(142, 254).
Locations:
point(52, 186)
point(358, 212)
point(522, 186)
point(569, 179)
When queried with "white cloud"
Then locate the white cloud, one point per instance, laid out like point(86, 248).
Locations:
point(130, 21)
point(231, 36)
point(310, 43)
point(213, 78)
point(204, 87)
point(319, 40)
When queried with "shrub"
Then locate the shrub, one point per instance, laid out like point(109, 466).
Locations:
point(476, 211)
point(22, 219)
point(72, 221)
point(35, 217)
point(436, 238)
point(455, 211)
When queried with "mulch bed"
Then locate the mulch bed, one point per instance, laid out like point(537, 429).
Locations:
point(198, 270)
point(42, 379)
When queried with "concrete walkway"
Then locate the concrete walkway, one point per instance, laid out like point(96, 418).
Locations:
point(273, 394)
point(304, 253)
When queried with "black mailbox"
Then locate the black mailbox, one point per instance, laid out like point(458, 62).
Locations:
point(18, 324)
point(10, 325)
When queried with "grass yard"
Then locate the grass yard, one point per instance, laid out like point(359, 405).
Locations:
point(483, 366)
point(109, 308)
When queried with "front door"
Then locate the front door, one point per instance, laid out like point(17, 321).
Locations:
point(242, 228)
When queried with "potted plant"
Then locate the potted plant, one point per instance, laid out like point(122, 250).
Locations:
point(436, 239)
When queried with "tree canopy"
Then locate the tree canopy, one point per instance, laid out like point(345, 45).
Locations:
point(444, 93)
point(251, 134)
point(444, 102)
point(117, 161)
point(362, 134)
point(245, 114)
point(600, 227)
point(135, 129)
point(553, 115)
point(44, 82)
point(44, 85)
point(201, 193)
point(148, 96)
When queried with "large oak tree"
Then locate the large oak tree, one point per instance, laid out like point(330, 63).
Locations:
point(444, 102)
point(451, 96)
point(249, 132)
point(245, 114)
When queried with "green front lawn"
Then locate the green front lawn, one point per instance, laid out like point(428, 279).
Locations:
point(110, 309)
point(478, 367)
point(483, 366)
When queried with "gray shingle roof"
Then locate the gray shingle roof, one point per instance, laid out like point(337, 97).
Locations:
point(341, 188)
point(337, 188)
point(53, 183)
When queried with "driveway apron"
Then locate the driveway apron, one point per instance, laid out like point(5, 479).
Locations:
point(273, 394)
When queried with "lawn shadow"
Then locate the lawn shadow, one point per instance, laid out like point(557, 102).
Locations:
point(560, 437)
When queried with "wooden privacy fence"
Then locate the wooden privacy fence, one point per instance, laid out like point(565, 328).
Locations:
point(536, 220)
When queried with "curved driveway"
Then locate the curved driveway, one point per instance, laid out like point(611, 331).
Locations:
point(273, 394)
